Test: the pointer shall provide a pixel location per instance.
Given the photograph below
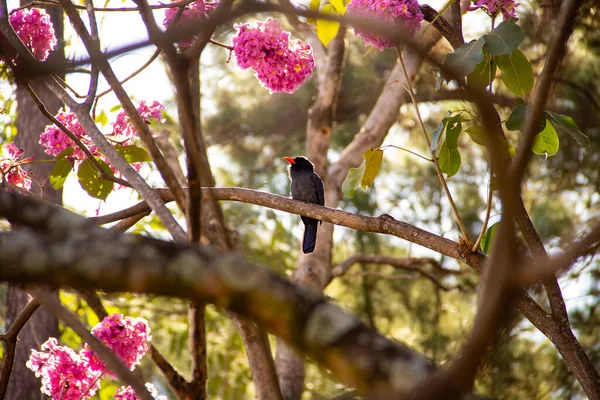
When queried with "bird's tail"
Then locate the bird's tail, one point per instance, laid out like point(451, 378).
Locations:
point(310, 235)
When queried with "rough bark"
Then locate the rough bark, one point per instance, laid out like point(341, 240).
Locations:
point(23, 384)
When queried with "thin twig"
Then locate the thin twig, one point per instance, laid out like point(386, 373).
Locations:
point(135, 73)
point(485, 220)
point(410, 151)
point(435, 162)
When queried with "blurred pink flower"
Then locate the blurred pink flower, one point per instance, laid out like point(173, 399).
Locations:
point(11, 167)
point(281, 65)
point(128, 337)
point(65, 374)
point(194, 10)
point(400, 12)
point(35, 30)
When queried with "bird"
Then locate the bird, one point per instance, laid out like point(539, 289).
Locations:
point(306, 185)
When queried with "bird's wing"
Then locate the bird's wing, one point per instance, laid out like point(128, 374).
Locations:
point(320, 189)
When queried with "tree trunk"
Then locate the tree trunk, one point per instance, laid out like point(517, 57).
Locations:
point(42, 325)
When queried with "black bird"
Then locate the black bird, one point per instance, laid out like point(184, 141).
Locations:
point(306, 186)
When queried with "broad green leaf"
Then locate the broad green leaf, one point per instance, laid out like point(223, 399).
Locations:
point(59, 173)
point(453, 129)
point(327, 30)
point(373, 159)
point(66, 152)
point(516, 120)
point(314, 6)
point(488, 238)
point(339, 6)
point(437, 133)
point(133, 153)
point(478, 134)
point(566, 124)
point(517, 74)
point(90, 181)
point(449, 160)
point(504, 39)
point(465, 58)
point(481, 74)
point(353, 179)
point(115, 108)
point(546, 142)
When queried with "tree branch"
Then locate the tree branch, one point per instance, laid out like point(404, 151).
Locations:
point(356, 354)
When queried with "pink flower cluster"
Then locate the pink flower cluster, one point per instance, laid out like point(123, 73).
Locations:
point(281, 65)
point(35, 30)
point(127, 393)
point(494, 7)
point(127, 337)
point(55, 140)
point(10, 167)
point(123, 130)
point(65, 374)
point(406, 13)
point(68, 375)
point(194, 10)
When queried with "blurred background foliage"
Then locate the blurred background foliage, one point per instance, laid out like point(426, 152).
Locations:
point(249, 130)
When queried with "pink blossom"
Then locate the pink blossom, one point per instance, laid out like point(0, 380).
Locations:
point(65, 374)
point(280, 65)
point(127, 393)
point(35, 30)
point(406, 13)
point(55, 140)
point(493, 7)
point(195, 10)
point(11, 167)
point(128, 337)
point(123, 130)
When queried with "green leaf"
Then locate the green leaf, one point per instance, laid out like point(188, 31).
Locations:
point(504, 39)
point(546, 142)
point(566, 124)
point(488, 238)
point(90, 181)
point(102, 118)
point(115, 108)
point(453, 129)
point(133, 153)
point(437, 133)
point(481, 74)
point(516, 120)
point(353, 179)
point(314, 6)
point(373, 159)
point(478, 134)
point(449, 160)
point(59, 173)
point(465, 58)
point(66, 152)
point(517, 73)
point(339, 6)
point(327, 30)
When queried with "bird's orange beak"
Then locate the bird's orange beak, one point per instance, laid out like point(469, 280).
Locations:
point(290, 160)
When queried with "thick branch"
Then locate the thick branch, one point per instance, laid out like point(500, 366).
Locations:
point(75, 253)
